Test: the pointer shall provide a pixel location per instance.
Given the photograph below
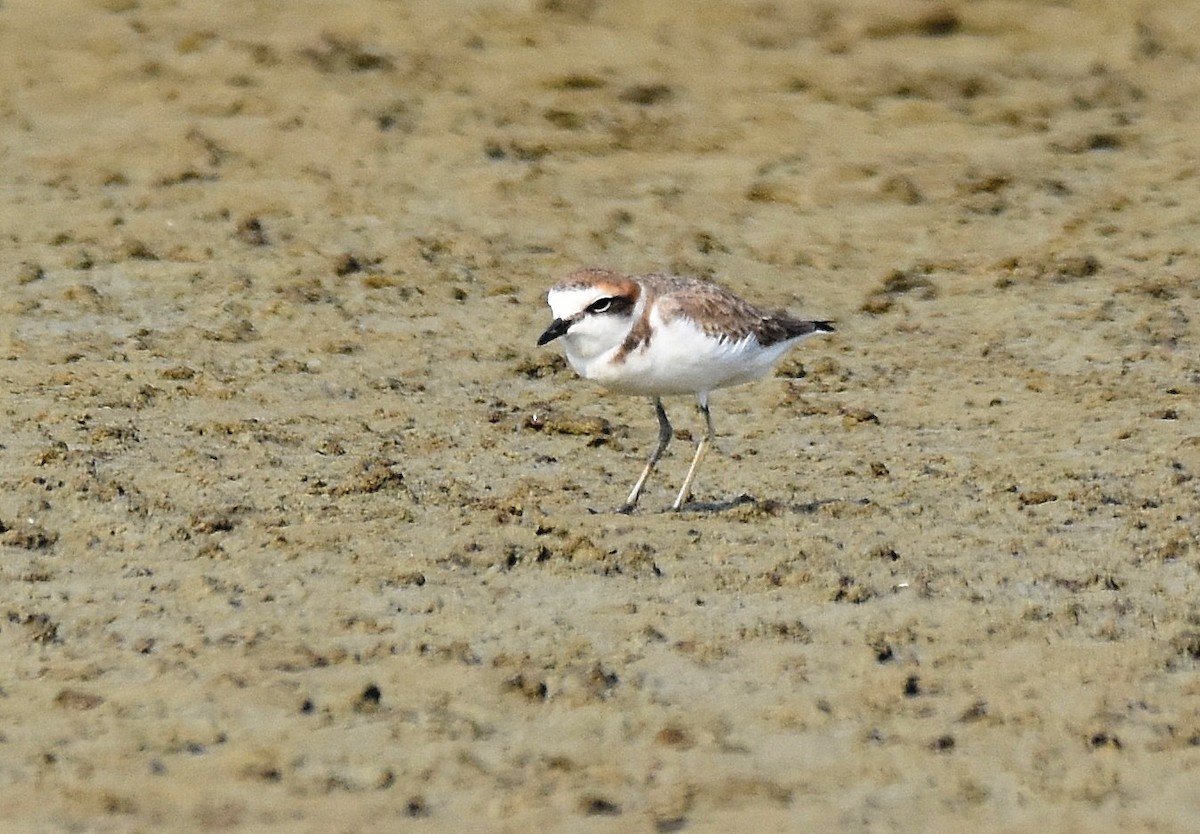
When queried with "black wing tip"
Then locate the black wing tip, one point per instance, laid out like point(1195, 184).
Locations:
point(787, 329)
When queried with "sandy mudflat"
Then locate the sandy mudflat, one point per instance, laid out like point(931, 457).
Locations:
point(299, 531)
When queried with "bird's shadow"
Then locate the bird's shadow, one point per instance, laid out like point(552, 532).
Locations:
point(766, 506)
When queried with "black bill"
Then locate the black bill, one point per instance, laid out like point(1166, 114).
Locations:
point(557, 328)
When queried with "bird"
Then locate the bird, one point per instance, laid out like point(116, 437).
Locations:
point(659, 335)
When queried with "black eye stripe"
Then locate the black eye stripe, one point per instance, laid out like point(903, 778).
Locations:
point(610, 304)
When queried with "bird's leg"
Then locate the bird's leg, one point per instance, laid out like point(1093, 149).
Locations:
point(686, 490)
point(664, 438)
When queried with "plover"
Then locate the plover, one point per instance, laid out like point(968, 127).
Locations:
point(658, 335)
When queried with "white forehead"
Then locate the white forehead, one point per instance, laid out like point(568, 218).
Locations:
point(566, 302)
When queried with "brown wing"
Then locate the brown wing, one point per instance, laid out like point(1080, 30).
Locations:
point(722, 314)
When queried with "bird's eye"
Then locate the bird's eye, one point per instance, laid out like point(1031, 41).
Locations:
point(600, 305)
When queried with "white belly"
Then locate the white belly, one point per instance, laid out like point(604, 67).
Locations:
point(680, 358)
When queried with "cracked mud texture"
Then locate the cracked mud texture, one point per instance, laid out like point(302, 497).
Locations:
point(299, 531)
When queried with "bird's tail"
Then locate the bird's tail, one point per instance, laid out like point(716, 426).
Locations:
point(795, 328)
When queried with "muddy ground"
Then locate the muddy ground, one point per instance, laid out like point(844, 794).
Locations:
point(301, 532)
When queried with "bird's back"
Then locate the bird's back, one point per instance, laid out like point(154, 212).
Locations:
point(694, 336)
